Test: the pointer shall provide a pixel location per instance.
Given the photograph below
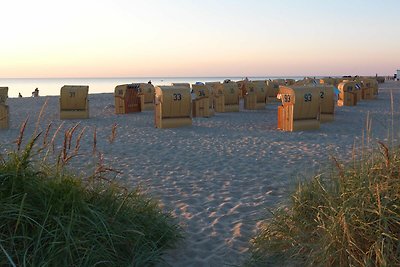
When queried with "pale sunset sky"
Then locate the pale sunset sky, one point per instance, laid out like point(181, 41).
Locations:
point(129, 38)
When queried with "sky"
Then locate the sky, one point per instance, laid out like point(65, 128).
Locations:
point(186, 38)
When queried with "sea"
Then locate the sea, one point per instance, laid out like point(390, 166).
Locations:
point(51, 86)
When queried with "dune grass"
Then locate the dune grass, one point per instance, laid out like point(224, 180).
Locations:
point(347, 217)
point(49, 217)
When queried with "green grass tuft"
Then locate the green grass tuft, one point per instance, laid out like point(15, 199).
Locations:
point(56, 219)
point(349, 217)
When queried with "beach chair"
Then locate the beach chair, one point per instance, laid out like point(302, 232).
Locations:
point(3, 95)
point(375, 87)
point(4, 110)
point(380, 79)
point(231, 96)
point(348, 93)
point(211, 101)
point(368, 88)
point(4, 116)
point(327, 97)
point(328, 81)
point(300, 108)
point(173, 107)
point(290, 82)
point(187, 85)
point(280, 81)
point(201, 104)
point(74, 102)
point(147, 92)
point(218, 96)
point(307, 81)
point(357, 89)
point(128, 98)
point(255, 95)
point(272, 91)
point(242, 88)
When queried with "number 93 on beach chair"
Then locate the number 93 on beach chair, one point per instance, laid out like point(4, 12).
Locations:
point(74, 102)
point(4, 111)
point(300, 108)
point(173, 106)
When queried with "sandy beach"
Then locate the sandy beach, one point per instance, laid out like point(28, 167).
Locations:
point(219, 176)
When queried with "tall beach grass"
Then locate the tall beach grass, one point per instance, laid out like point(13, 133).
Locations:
point(51, 217)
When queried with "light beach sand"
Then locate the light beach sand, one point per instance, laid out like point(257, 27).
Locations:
point(220, 175)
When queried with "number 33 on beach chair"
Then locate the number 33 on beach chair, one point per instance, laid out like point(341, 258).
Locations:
point(173, 106)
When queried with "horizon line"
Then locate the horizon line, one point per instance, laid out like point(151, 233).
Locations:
point(168, 77)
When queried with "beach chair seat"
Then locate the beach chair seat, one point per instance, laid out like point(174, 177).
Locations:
point(273, 90)
point(255, 95)
point(368, 88)
point(128, 98)
point(300, 108)
point(147, 90)
point(231, 96)
point(348, 93)
point(290, 82)
point(173, 107)
point(327, 97)
point(74, 102)
point(201, 104)
point(218, 98)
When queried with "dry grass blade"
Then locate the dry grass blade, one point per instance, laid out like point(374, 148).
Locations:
point(64, 147)
point(111, 138)
point(46, 134)
point(78, 140)
point(70, 133)
point(55, 135)
point(385, 153)
point(21, 134)
point(52, 142)
point(40, 115)
point(339, 167)
point(94, 141)
point(392, 113)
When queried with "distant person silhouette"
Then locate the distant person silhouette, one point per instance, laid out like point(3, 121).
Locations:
point(149, 82)
point(19, 95)
point(35, 93)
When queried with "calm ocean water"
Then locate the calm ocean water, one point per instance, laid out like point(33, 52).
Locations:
point(51, 86)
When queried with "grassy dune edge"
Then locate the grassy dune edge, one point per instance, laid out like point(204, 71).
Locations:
point(347, 217)
point(51, 218)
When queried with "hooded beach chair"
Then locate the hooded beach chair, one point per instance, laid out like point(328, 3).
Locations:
point(74, 102)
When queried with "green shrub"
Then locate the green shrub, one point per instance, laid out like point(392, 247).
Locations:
point(349, 217)
point(55, 219)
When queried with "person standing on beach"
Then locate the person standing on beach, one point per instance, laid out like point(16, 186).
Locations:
point(35, 93)
point(19, 95)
